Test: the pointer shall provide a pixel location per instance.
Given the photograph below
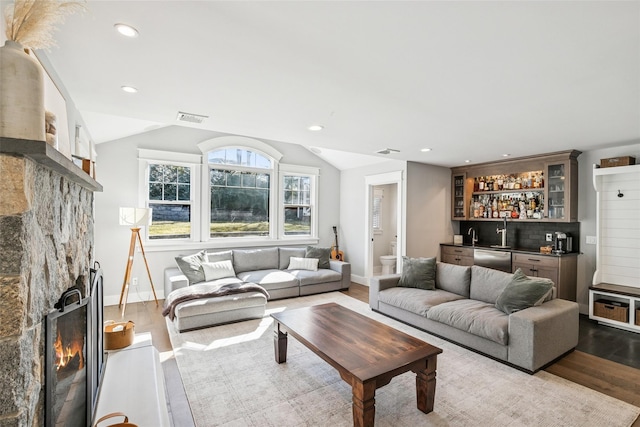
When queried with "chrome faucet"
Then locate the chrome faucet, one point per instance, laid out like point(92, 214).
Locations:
point(474, 236)
point(503, 231)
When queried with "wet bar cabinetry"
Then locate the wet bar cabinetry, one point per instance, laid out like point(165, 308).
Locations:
point(536, 188)
point(560, 269)
point(457, 255)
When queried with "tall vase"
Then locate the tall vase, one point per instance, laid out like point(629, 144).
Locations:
point(22, 89)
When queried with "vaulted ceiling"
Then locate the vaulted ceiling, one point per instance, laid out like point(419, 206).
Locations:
point(470, 80)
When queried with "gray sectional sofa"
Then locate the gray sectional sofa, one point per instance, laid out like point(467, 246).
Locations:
point(462, 309)
point(267, 267)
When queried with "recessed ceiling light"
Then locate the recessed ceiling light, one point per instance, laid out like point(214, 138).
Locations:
point(126, 30)
point(467, 161)
point(315, 128)
point(506, 155)
point(425, 150)
point(129, 89)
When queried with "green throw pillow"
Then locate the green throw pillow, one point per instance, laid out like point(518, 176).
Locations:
point(523, 292)
point(418, 273)
point(190, 266)
point(323, 255)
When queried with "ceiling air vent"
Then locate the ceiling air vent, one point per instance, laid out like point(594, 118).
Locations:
point(191, 118)
point(387, 151)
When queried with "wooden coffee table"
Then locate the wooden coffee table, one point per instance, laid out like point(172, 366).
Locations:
point(366, 353)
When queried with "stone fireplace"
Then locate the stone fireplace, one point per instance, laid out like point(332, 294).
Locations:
point(46, 242)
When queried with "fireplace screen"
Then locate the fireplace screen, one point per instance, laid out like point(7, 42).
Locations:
point(66, 358)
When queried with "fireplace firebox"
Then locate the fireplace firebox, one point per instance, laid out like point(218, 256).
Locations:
point(74, 355)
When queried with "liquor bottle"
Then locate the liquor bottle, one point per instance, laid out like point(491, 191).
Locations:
point(518, 183)
point(476, 184)
point(500, 182)
point(481, 184)
point(494, 208)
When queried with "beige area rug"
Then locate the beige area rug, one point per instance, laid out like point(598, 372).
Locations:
point(231, 379)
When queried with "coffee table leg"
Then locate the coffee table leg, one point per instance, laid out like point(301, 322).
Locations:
point(280, 344)
point(364, 410)
point(426, 385)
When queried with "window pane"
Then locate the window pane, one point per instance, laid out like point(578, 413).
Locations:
point(184, 175)
point(170, 192)
point(233, 179)
point(155, 191)
point(239, 156)
point(170, 221)
point(249, 179)
point(239, 211)
point(297, 221)
point(262, 180)
point(184, 192)
point(155, 173)
point(170, 174)
point(218, 177)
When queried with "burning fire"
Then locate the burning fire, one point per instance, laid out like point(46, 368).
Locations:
point(65, 354)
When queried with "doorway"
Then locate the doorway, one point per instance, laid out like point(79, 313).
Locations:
point(385, 220)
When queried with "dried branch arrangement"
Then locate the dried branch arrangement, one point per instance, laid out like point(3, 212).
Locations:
point(32, 22)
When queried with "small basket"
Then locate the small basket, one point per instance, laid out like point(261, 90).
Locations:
point(118, 334)
point(545, 249)
point(637, 316)
point(613, 310)
point(125, 422)
point(617, 161)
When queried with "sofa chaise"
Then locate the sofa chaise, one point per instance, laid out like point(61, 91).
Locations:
point(462, 308)
point(271, 268)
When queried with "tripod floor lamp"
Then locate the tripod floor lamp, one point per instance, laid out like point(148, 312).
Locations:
point(134, 218)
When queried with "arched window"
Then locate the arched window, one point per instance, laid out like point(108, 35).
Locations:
point(239, 193)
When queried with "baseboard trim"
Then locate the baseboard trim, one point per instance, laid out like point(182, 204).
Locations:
point(360, 280)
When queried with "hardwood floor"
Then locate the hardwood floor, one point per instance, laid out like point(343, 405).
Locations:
point(605, 376)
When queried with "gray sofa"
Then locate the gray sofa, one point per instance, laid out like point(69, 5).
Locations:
point(266, 267)
point(462, 309)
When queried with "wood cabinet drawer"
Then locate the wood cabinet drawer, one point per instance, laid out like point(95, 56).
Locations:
point(456, 250)
point(457, 259)
point(535, 260)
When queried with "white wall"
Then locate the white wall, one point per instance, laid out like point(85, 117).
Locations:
point(353, 221)
point(117, 171)
point(428, 215)
point(587, 214)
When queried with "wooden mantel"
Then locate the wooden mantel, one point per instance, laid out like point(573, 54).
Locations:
point(47, 156)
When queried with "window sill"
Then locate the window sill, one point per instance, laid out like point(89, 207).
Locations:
point(181, 245)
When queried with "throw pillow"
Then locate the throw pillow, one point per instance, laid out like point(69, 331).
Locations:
point(323, 255)
point(418, 273)
point(523, 292)
point(218, 270)
point(296, 263)
point(190, 266)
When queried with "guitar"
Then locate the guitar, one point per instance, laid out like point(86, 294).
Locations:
point(336, 253)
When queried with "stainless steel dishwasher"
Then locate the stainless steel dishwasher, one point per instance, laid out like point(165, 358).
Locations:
point(498, 260)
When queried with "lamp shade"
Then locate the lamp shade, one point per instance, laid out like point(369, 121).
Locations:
point(135, 217)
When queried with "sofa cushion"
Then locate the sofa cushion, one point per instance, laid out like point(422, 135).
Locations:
point(323, 254)
point(418, 301)
point(487, 284)
point(475, 317)
point(453, 278)
point(286, 253)
point(296, 263)
point(190, 265)
point(523, 292)
point(418, 273)
point(218, 270)
point(269, 279)
point(255, 259)
point(219, 256)
point(322, 275)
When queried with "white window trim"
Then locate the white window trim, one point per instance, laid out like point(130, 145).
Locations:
point(200, 185)
point(192, 161)
point(314, 174)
